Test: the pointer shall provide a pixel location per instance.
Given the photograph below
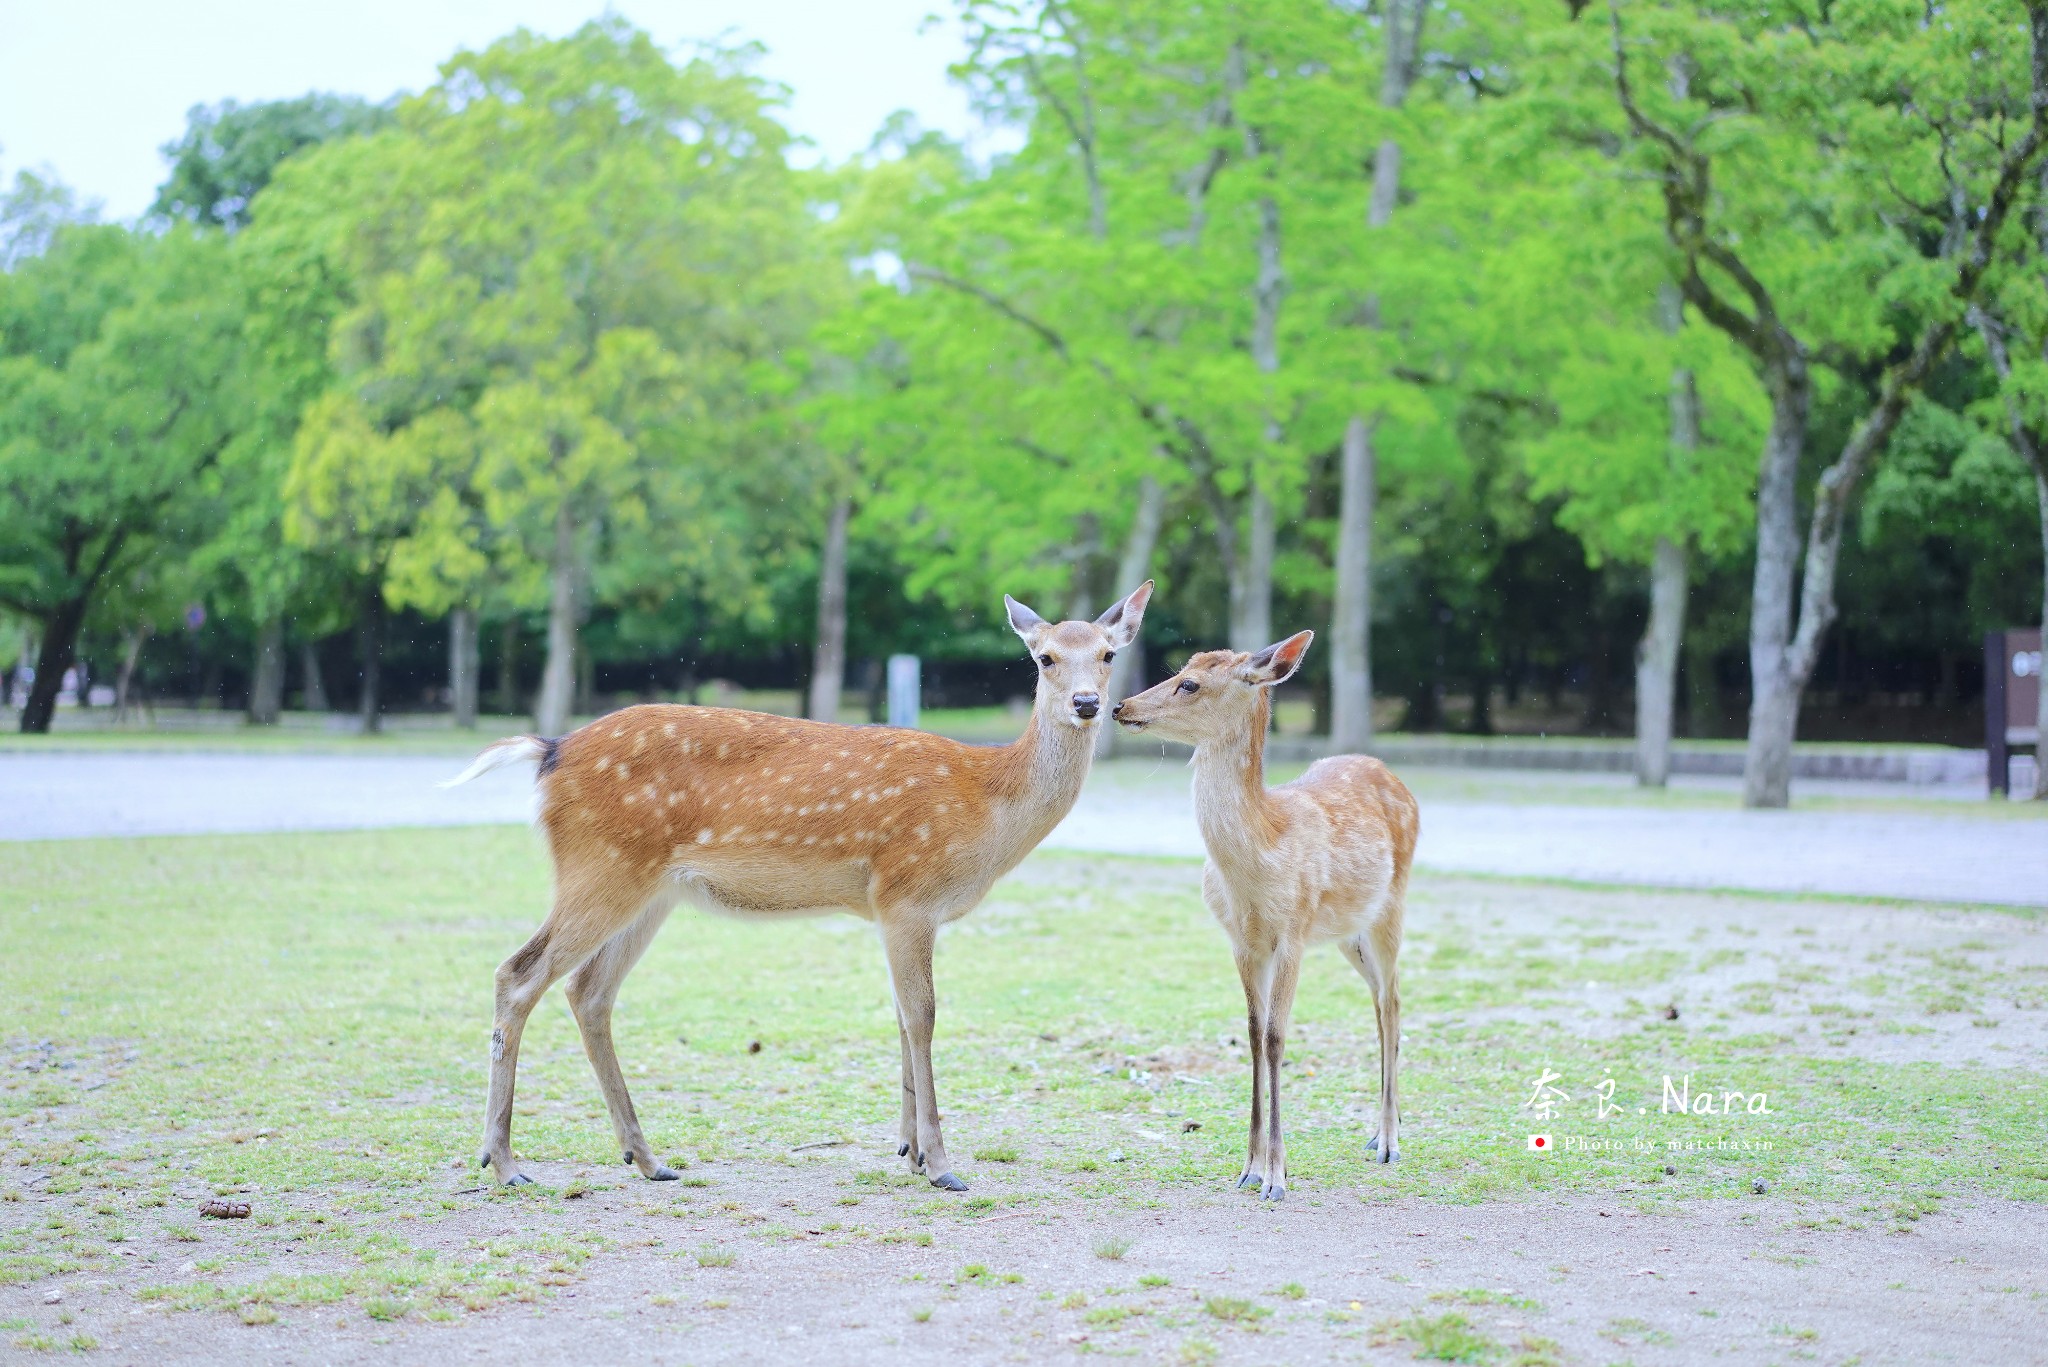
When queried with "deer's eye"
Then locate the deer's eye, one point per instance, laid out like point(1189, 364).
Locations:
point(1045, 660)
point(1187, 686)
point(1108, 655)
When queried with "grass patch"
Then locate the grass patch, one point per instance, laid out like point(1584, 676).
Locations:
point(1449, 1337)
point(346, 1053)
point(1112, 1247)
point(711, 1255)
point(1234, 1310)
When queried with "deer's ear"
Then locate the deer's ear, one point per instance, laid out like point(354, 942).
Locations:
point(1277, 662)
point(1125, 615)
point(1023, 620)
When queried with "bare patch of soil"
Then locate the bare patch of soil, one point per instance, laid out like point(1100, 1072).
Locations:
point(1209, 1276)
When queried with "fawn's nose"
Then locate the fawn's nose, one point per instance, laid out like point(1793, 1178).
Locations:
point(1117, 711)
point(1086, 705)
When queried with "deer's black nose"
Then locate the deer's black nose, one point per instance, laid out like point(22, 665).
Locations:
point(1118, 710)
point(1086, 705)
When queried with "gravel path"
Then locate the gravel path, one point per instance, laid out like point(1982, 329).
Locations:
point(1130, 807)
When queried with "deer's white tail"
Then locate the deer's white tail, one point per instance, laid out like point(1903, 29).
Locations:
point(511, 750)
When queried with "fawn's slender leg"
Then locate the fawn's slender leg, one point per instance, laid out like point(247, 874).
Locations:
point(1280, 1009)
point(1254, 975)
point(579, 923)
point(592, 989)
point(1378, 967)
point(909, 944)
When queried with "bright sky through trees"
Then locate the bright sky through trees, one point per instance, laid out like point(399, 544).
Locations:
point(93, 90)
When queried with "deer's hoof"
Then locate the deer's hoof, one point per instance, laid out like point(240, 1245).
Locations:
point(664, 1173)
point(1250, 1179)
point(1390, 1155)
point(1274, 1191)
point(946, 1181)
point(903, 1150)
point(1373, 1143)
point(518, 1179)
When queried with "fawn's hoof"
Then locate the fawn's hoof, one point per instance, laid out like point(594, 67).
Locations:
point(518, 1179)
point(664, 1173)
point(946, 1181)
point(1250, 1179)
point(1273, 1191)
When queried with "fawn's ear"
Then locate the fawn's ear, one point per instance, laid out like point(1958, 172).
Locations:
point(1277, 662)
point(1024, 621)
point(1125, 616)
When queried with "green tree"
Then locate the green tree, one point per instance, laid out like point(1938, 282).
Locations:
point(117, 362)
point(1800, 156)
point(229, 152)
point(570, 272)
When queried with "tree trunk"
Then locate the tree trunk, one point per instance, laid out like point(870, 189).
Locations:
point(60, 648)
point(315, 686)
point(266, 689)
point(828, 658)
point(1251, 588)
point(370, 634)
point(462, 667)
point(1664, 634)
point(1657, 664)
point(130, 658)
point(1351, 616)
point(2041, 675)
point(508, 668)
point(586, 677)
point(1127, 671)
point(1774, 699)
point(1082, 590)
point(1358, 494)
point(558, 676)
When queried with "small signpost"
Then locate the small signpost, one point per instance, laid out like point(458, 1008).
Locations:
point(904, 690)
point(2012, 696)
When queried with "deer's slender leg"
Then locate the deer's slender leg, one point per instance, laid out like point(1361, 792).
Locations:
point(573, 931)
point(1280, 1008)
point(906, 1125)
point(1254, 974)
point(909, 942)
point(592, 989)
point(1375, 962)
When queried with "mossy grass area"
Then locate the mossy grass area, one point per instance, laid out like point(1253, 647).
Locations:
point(301, 1022)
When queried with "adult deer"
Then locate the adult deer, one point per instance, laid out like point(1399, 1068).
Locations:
point(756, 815)
point(1322, 859)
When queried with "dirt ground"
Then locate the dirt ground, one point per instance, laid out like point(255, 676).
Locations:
point(1325, 1277)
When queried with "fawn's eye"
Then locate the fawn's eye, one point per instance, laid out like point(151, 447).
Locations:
point(1187, 686)
point(1045, 660)
point(1108, 655)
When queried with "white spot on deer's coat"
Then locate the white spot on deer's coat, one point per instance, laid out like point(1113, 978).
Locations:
point(704, 836)
point(944, 769)
point(924, 833)
point(668, 729)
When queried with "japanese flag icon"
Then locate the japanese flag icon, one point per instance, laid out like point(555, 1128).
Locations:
point(1539, 1143)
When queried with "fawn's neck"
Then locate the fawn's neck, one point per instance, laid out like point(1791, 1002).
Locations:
point(1232, 807)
